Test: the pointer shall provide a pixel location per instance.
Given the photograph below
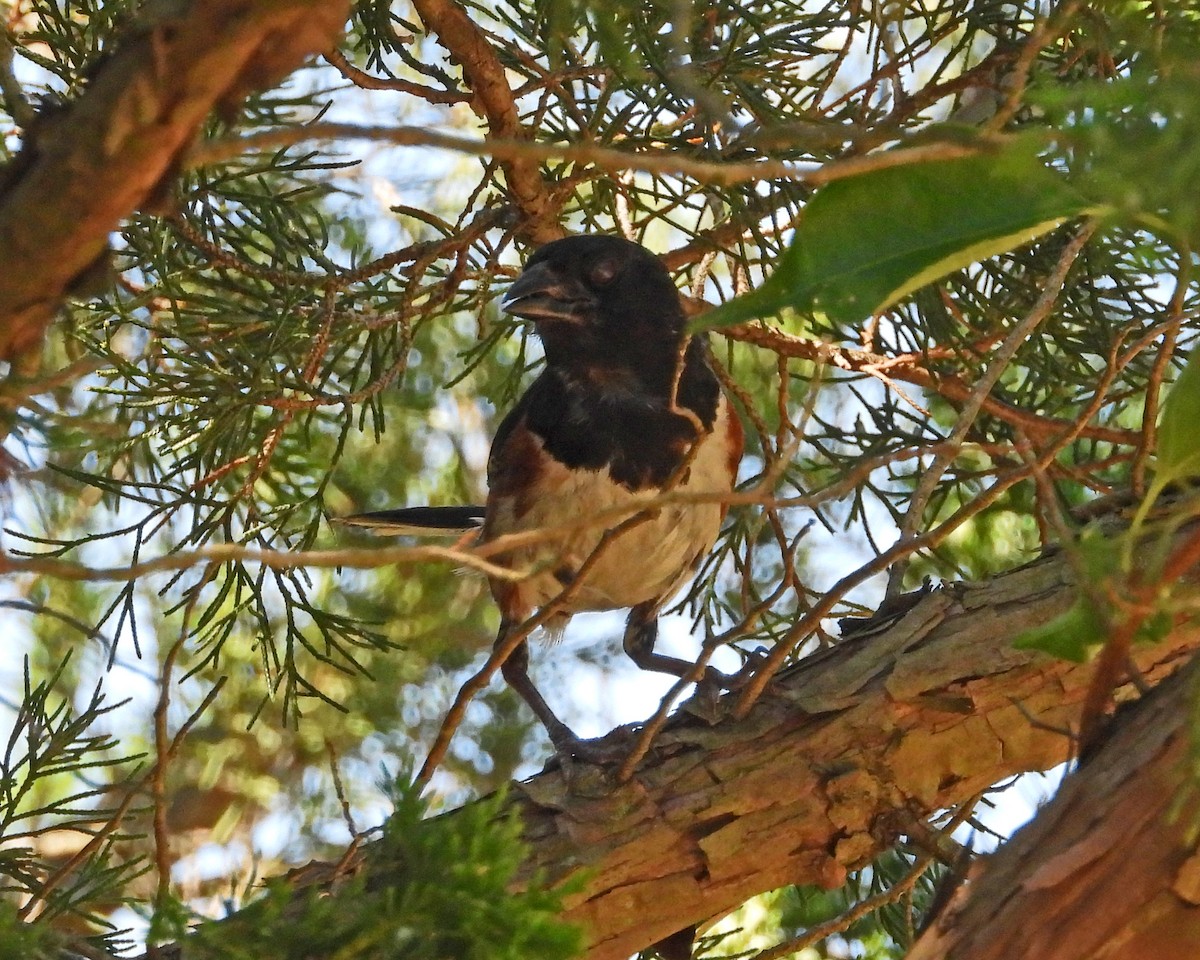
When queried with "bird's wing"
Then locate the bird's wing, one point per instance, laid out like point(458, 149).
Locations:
point(419, 521)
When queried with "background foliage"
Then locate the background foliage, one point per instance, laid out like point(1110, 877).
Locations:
point(310, 330)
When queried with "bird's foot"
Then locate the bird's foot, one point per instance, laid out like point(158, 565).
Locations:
point(705, 703)
point(572, 753)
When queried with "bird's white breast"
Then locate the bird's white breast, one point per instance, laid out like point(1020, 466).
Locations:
point(650, 560)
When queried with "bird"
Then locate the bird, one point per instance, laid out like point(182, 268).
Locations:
point(608, 424)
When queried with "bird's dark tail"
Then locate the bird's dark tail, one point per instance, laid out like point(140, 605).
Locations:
point(419, 521)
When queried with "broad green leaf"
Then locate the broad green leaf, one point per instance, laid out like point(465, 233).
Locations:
point(867, 241)
point(1155, 627)
point(1080, 632)
point(1179, 426)
point(1075, 635)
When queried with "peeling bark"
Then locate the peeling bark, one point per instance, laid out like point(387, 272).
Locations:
point(86, 167)
point(849, 749)
point(1109, 868)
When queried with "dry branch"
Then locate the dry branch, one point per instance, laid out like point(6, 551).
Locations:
point(89, 165)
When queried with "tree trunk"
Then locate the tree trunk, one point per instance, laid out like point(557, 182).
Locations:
point(1109, 868)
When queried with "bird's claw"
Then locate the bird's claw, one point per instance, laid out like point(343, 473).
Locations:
point(705, 703)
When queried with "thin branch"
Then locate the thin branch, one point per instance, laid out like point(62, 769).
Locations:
point(354, 558)
point(908, 368)
point(1045, 32)
point(604, 158)
point(360, 78)
point(162, 748)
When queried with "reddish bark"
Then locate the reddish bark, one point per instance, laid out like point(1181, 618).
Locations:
point(86, 167)
point(1109, 868)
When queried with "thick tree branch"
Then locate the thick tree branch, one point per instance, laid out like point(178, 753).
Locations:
point(822, 776)
point(88, 166)
point(1109, 868)
point(848, 750)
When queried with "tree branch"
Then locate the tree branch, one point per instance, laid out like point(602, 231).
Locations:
point(827, 770)
point(1109, 867)
point(494, 99)
point(894, 723)
point(910, 369)
point(519, 151)
point(85, 168)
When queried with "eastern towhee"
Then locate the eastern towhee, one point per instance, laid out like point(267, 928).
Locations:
point(624, 396)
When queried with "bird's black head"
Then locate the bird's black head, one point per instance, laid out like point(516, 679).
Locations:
point(599, 300)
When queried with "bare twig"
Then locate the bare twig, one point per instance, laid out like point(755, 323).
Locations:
point(360, 78)
point(162, 750)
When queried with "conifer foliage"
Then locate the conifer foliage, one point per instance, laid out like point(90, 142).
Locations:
point(250, 256)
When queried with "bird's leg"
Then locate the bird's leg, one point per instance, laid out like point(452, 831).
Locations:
point(641, 632)
point(516, 671)
point(566, 744)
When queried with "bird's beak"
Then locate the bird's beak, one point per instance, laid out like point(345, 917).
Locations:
point(540, 293)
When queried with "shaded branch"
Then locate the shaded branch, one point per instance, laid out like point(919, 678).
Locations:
point(85, 168)
point(350, 557)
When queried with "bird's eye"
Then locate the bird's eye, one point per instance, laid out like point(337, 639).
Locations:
point(602, 273)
